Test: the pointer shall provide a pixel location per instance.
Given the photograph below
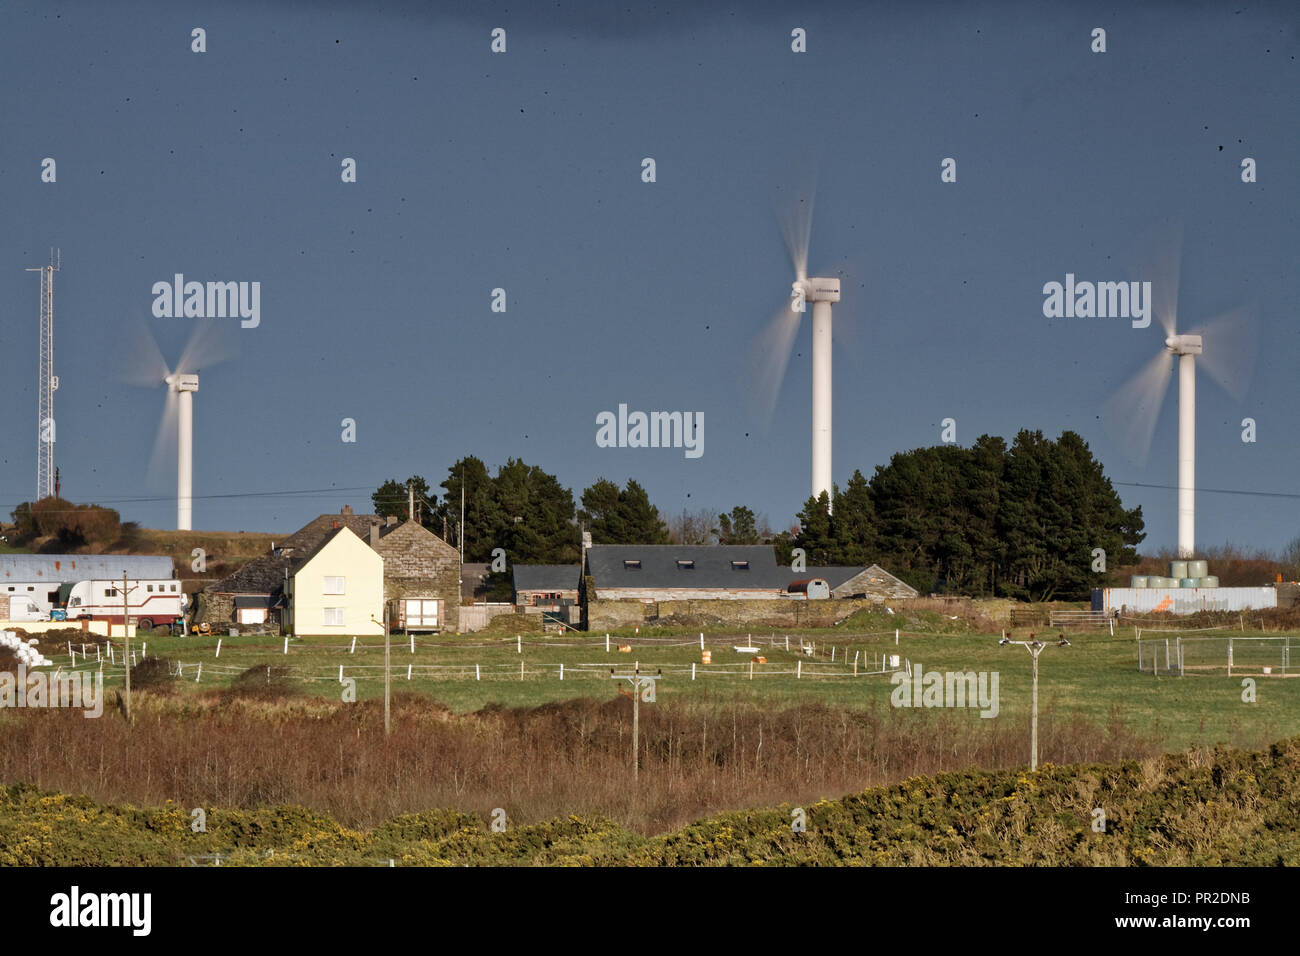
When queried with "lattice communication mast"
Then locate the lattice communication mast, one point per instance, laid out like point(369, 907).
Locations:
point(47, 382)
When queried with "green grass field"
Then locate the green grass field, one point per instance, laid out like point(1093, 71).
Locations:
point(1096, 677)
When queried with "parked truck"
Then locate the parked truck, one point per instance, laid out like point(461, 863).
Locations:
point(148, 602)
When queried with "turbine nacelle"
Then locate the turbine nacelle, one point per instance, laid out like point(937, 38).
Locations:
point(817, 290)
point(1184, 344)
point(178, 382)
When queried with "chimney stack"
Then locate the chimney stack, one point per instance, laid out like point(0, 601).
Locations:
point(390, 520)
point(374, 535)
point(345, 510)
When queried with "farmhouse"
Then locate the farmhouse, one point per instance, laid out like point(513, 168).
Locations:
point(336, 588)
point(421, 576)
point(416, 565)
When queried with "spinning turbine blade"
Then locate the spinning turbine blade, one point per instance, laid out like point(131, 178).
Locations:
point(1231, 345)
point(796, 228)
point(162, 463)
point(212, 341)
point(766, 361)
point(1130, 414)
point(1161, 266)
point(142, 362)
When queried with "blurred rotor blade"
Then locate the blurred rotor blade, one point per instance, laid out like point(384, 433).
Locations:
point(1130, 415)
point(1160, 265)
point(766, 361)
point(142, 362)
point(1231, 345)
point(162, 463)
point(212, 341)
point(795, 217)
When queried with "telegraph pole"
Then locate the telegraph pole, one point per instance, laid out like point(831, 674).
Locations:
point(388, 724)
point(388, 675)
point(126, 636)
point(643, 686)
point(1035, 647)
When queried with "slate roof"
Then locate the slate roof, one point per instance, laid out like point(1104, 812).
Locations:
point(264, 575)
point(834, 576)
point(310, 536)
point(547, 577)
point(713, 566)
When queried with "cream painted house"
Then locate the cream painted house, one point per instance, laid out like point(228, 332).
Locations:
point(337, 589)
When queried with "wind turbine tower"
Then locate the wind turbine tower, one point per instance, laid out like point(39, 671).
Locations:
point(184, 386)
point(821, 293)
point(47, 382)
point(1186, 347)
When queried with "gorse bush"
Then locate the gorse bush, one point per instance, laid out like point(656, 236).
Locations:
point(1199, 808)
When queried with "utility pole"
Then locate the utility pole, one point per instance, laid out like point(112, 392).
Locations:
point(388, 675)
point(410, 501)
point(126, 635)
point(643, 688)
point(388, 724)
point(1035, 647)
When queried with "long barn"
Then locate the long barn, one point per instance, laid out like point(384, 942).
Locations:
point(59, 568)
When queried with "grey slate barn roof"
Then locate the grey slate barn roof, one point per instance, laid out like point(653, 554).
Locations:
point(547, 577)
point(714, 566)
point(30, 568)
point(714, 570)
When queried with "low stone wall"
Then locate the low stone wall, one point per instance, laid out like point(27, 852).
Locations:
point(610, 615)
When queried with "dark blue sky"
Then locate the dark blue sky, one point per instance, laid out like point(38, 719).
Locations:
point(522, 170)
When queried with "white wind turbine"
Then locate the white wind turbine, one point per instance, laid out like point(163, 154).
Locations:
point(1227, 350)
point(772, 350)
point(208, 344)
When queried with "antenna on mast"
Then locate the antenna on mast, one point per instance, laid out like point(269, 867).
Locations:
point(47, 383)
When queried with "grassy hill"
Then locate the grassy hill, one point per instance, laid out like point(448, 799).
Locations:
point(224, 550)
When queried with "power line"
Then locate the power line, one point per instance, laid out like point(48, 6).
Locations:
point(301, 492)
point(1213, 491)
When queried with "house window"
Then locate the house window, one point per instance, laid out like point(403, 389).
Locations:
point(150, 588)
point(632, 564)
point(173, 587)
point(333, 585)
point(110, 592)
point(332, 616)
point(740, 565)
point(685, 565)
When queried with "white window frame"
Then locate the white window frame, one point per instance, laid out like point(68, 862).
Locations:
point(335, 612)
point(341, 585)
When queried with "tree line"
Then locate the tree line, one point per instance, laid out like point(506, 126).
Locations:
point(1022, 521)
